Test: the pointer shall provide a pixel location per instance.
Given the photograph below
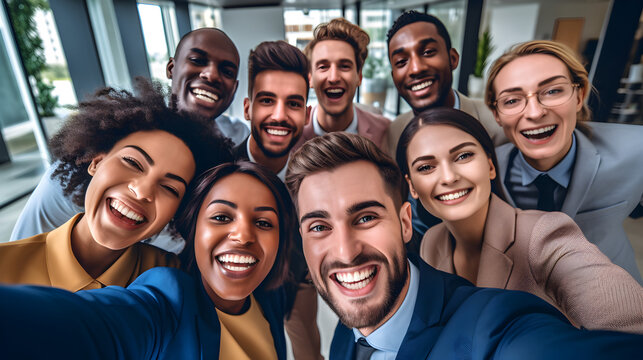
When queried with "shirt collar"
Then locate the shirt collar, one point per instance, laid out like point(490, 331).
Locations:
point(352, 127)
point(389, 336)
point(456, 104)
point(561, 173)
point(66, 272)
point(281, 174)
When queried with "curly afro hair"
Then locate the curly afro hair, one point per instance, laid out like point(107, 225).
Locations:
point(111, 115)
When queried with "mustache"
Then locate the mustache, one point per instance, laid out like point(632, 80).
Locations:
point(284, 124)
point(359, 260)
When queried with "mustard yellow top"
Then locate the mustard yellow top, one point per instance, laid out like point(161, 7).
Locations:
point(47, 259)
point(246, 336)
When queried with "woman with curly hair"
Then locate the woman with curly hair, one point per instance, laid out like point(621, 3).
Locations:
point(128, 160)
point(239, 224)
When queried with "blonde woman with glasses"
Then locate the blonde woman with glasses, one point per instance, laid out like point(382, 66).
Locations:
point(557, 159)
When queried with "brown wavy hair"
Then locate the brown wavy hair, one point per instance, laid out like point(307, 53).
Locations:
point(343, 30)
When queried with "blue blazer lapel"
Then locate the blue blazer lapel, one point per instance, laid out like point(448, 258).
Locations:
point(585, 169)
point(342, 346)
point(208, 326)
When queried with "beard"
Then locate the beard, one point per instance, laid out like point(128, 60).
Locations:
point(360, 314)
point(256, 134)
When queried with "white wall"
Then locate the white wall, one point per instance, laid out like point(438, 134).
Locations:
point(247, 28)
point(510, 24)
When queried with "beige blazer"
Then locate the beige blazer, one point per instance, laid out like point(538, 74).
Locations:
point(546, 254)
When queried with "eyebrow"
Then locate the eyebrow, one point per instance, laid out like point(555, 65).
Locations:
point(223, 63)
point(544, 82)
point(145, 155)
point(271, 94)
point(422, 43)
point(317, 214)
point(199, 51)
point(451, 151)
point(224, 202)
point(364, 205)
point(266, 208)
point(297, 97)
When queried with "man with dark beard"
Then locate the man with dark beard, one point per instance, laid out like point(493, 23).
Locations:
point(390, 306)
point(276, 104)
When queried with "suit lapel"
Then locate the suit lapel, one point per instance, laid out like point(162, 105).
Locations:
point(499, 234)
point(363, 127)
point(505, 155)
point(585, 169)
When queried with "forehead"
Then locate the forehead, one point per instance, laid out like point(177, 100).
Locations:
point(437, 140)
point(332, 50)
point(241, 189)
point(529, 71)
point(412, 34)
point(281, 83)
point(149, 140)
point(213, 42)
point(336, 190)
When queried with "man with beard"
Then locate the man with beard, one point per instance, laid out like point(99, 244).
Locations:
point(422, 62)
point(276, 104)
point(391, 306)
point(204, 79)
point(337, 54)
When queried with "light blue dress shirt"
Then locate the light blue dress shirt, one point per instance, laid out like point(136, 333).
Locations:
point(352, 127)
point(387, 339)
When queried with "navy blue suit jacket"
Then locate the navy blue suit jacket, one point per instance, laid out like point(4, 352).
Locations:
point(164, 314)
point(453, 319)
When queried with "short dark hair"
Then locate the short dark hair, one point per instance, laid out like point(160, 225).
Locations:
point(342, 30)
point(451, 117)
point(179, 46)
point(110, 116)
point(327, 152)
point(413, 16)
point(288, 224)
point(276, 55)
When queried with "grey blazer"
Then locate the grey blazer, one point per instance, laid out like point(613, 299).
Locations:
point(606, 186)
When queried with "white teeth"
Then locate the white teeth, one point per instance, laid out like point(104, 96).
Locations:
point(277, 132)
point(126, 211)
point(453, 196)
point(205, 95)
point(237, 259)
point(422, 85)
point(539, 131)
point(335, 91)
point(357, 279)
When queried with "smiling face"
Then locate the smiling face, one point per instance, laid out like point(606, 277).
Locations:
point(236, 239)
point(353, 241)
point(449, 172)
point(422, 66)
point(136, 188)
point(204, 73)
point(277, 111)
point(334, 75)
point(542, 134)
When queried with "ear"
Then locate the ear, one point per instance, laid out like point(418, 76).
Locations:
point(360, 76)
point(406, 214)
point(310, 80)
point(246, 108)
point(492, 170)
point(580, 95)
point(169, 68)
point(308, 112)
point(495, 116)
point(91, 169)
point(412, 191)
point(454, 58)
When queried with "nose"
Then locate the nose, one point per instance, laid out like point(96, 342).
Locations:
point(533, 108)
point(279, 111)
point(210, 73)
point(142, 189)
point(242, 231)
point(333, 74)
point(416, 66)
point(347, 247)
point(448, 175)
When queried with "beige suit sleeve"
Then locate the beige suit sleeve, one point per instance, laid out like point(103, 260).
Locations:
point(586, 286)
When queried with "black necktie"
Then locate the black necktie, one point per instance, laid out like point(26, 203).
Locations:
point(363, 350)
point(546, 187)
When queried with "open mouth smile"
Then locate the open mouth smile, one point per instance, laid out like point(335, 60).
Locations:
point(277, 131)
point(539, 133)
point(125, 213)
point(355, 280)
point(237, 263)
point(335, 93)
point(422, 85)
point(205, 95)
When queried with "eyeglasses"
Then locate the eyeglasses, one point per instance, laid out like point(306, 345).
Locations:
point(550, 96)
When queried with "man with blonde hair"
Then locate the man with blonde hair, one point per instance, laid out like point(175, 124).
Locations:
point(337, 54)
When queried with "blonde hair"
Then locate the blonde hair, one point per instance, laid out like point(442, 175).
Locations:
point(561, 52)
point(343, 30)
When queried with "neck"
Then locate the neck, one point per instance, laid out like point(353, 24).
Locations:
point(274, 164)
point(469, 235)
point(366, 331)
point(548, 163)
point(232, 307)
point(447, 101)
point(331, 123)
point(93, 257)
